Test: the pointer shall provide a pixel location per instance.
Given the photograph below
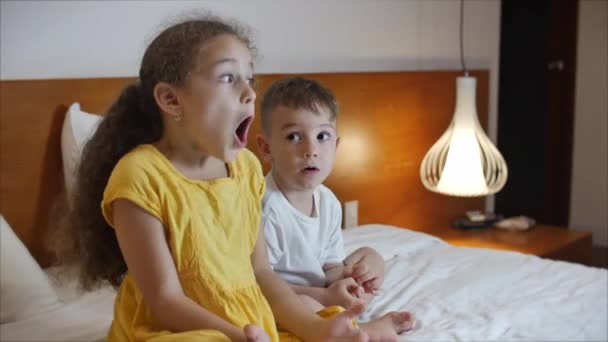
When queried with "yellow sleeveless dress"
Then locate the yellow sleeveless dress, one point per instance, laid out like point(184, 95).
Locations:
point(211, 229)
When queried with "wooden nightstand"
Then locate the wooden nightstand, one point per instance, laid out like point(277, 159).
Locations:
point(543, 240)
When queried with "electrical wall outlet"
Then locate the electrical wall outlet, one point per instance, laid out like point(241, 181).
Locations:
point(351, 214)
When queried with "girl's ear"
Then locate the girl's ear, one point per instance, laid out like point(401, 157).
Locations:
point(264, 148)
point(166, 97)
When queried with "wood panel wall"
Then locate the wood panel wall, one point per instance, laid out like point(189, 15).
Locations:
point(387, 122)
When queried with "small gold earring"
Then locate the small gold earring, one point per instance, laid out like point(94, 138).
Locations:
point(177, 118)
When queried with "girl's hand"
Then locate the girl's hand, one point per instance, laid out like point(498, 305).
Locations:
point(372, 286)
point(341, 328)
point(344, 292)
point(253, 333)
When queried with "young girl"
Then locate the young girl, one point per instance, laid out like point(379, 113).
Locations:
point(178, 227)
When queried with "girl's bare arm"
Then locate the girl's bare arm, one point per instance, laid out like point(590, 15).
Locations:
point(292, 314)
point(141, 238)
point(317, 293)
point(289, 311)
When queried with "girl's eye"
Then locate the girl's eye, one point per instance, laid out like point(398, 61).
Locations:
point(294, 137)
point(228, 78)
point(323, 136)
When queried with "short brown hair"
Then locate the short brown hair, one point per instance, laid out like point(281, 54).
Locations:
point(297, 92)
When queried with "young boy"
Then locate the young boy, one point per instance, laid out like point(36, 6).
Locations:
point(301, 218)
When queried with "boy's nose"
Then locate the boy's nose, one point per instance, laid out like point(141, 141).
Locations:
point(310, 148)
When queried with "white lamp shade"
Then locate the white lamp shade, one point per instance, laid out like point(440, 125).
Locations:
point(464, 162)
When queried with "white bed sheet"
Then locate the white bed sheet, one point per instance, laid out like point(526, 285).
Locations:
point(80, 317)
point(457, 294)
point(471, 294)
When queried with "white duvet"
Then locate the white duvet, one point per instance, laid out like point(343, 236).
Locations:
point(469, 294)
point(457, 294)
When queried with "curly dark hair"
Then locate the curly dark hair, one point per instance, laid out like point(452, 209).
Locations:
point(133, 119)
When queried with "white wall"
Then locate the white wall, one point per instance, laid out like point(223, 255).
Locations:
point(71, 39)
point(589, 197)
point(55, 39)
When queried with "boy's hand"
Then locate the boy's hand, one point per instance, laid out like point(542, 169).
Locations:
point(367, 272)
point(344, 292)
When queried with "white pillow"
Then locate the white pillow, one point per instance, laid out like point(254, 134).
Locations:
point(78, 127)
point(25, 290)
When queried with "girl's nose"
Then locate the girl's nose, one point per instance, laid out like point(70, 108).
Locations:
point(248, 95)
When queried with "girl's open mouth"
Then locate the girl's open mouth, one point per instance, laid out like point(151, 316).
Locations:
point(242, 130)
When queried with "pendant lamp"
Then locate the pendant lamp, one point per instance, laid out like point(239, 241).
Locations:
point(464, 162)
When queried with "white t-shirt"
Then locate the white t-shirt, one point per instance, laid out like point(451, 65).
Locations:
point(299, 245)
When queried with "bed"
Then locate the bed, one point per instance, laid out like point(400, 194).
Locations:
point(387, 122)
point(475, 294)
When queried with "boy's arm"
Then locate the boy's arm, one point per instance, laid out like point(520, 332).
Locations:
point(334, 272)
point(356, 256)
point(333, 263)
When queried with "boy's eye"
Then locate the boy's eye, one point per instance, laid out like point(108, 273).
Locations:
point(251, 81)
point(294, 137)
point(228, 78)
point(323, 136)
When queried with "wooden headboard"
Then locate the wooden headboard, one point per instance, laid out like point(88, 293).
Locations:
point(387, 122)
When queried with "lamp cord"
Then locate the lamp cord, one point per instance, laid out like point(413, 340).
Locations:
point(464, 68)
